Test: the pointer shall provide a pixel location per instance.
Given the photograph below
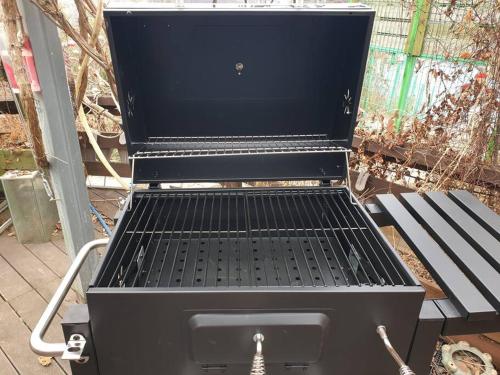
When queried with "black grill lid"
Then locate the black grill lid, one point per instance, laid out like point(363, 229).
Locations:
point(238, 93)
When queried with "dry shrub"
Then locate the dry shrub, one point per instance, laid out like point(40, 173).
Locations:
point(461, 127)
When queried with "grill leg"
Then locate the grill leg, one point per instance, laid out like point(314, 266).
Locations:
point(76, 321)
point(429, 327)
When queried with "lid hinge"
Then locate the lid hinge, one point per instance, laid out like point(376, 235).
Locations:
point(347, 180)
point(132, 184)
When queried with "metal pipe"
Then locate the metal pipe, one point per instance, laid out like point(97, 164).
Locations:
point(100, 219)
point(403, 368)
point(37, 344)
point(7, 223)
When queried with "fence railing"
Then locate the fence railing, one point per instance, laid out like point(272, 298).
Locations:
point(412, 39)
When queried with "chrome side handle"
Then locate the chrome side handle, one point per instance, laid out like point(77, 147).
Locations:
point(403, 368)
point(37, 344)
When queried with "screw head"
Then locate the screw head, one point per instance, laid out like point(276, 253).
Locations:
point(258, 337)
point(239, 67)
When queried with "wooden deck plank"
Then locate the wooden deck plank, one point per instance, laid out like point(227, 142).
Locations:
point(106, 202)
point(6, 366)
point(32, 270)
point(30, 307)
point(27, 265)
point(51, 256)
point(58, 240)
point(14, 336)
point(29, 275)
point(27, 302)
point(18, 289)
point(48, 290)
point(112, 194)
point(12, 284)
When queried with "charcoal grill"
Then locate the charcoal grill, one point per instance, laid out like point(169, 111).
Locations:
point(289, 280)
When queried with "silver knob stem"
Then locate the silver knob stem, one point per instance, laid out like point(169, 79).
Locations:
point(403, 368)
point(258, 365)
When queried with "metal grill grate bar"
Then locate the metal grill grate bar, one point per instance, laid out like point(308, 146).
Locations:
point(375, 243)
point(265, 237)
point(239, 138)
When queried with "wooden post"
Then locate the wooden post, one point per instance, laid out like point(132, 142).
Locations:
point(16, 38)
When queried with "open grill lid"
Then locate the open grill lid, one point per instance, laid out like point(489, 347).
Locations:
point(210, 93)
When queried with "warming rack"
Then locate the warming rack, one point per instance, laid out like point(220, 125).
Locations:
point(182, 147)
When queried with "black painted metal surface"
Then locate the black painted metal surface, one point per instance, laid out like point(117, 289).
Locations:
point(248, 237)
point(467, 226)
point(76, 320)
point(476, 268)
point(486, 217)
point(456, 324)
point(467, 298)
point(461, 230)
point(148, 331)
point(250, 255)
point(466, 234)
point(429, 327)
point(283, 328)
point(270, 80)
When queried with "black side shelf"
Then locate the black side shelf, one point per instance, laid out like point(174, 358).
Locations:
point(454, 237)
point(487, 218)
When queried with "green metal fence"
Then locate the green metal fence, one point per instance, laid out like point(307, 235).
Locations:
point(411, 40)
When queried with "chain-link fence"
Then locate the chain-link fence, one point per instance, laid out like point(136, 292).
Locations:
point(416, 54)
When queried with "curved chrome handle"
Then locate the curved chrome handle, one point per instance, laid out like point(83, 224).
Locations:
point(403, 368)
point(36, 341)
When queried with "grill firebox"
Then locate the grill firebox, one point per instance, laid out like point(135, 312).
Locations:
point(248, 238)
point(191, 275)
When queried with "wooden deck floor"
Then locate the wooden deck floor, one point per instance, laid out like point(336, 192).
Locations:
point(29, 275)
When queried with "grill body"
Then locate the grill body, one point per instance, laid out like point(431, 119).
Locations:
point(191, 275)
point(148, 331)
point(221, 93)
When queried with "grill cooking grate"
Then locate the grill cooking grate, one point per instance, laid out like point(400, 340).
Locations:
point(177, 147)
point(283, 237)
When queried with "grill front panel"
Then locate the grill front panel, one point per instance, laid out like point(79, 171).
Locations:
point(248, 238)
